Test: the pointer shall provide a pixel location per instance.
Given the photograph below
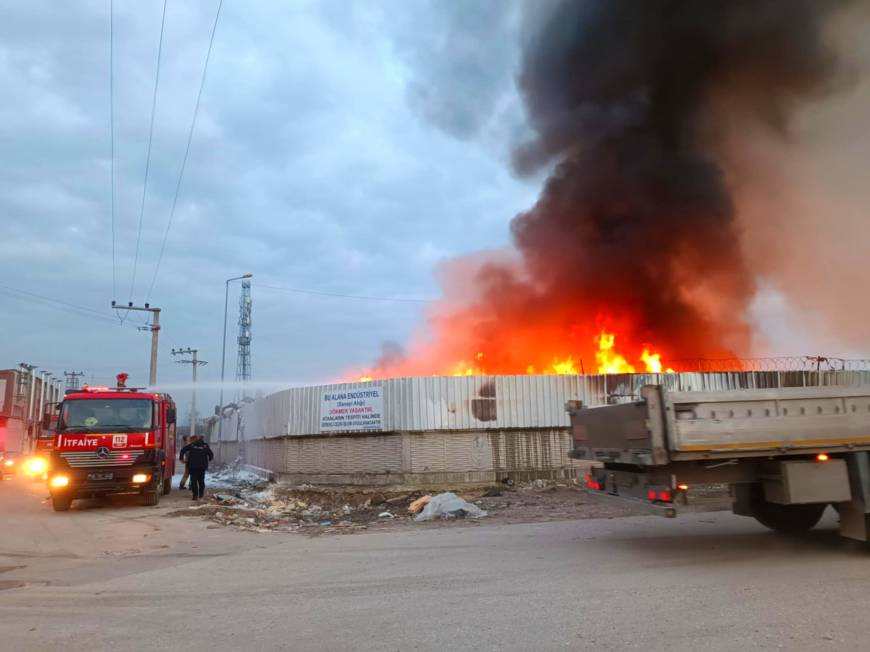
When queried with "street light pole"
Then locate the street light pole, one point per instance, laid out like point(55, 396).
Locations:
point(224, 353)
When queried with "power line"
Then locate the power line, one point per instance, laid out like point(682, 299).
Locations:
point(112, 133)
point(344, 296)
point(82, 311)
point(148, 154)
point(71, 378)
point(186, 150)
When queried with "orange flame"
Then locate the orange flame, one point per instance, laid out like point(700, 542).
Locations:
point(608, 361)
point(653, 362)
point(564, 367)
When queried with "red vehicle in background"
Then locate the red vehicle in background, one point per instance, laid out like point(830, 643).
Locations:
point(36, 464)
point(45, 442)
point(112, 440)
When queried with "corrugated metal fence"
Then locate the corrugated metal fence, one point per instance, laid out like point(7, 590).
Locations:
point(493, 402)
point(456, 428)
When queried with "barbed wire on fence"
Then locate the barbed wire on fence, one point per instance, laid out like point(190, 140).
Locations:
point(783, 363)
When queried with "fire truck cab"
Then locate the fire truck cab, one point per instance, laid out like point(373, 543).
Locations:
point(111, 441)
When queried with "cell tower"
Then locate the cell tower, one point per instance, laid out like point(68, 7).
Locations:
point(243, 361)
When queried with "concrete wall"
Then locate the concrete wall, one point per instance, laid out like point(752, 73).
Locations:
point(416, 458)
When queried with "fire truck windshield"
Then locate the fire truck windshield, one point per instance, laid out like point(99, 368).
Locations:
point(106, 415)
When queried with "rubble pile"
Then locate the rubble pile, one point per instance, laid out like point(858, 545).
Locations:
point(260, 506)
point(271, 507)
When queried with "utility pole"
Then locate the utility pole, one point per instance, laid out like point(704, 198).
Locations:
point(32, 396)
point(155, 330)
point(71, 379)
point(194, 362)
point(44, 397)
point(43, 377)
point(24, 384)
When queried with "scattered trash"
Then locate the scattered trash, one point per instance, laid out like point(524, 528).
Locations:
point(386, 515)
point(227, 499)
point(448, 505)
point(419, 504)
point(492, 492)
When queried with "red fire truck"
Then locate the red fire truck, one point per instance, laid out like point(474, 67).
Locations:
point(112, 440)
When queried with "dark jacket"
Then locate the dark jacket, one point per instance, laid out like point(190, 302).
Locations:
point(197, 454)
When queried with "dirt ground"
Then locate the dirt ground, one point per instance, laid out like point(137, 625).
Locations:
point(317, 511)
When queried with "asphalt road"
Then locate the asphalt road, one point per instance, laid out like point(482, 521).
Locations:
point(124, 577)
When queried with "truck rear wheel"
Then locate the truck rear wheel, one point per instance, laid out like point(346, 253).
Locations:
point(787, 518)
point(61, 503)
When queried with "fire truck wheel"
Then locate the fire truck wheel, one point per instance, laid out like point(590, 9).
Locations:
point(61, 503)
point(153, 497)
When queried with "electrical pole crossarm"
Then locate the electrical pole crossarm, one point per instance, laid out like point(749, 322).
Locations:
point(155, 330)
point(194, 362)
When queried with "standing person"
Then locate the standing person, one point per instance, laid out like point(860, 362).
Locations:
point(182, 457)
point(198, 455)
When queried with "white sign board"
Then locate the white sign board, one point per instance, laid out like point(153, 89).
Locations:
point(352, 409)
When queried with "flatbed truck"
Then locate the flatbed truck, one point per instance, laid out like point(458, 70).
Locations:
point(786, 453)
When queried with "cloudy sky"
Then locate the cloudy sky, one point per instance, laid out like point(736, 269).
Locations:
point(340, 147)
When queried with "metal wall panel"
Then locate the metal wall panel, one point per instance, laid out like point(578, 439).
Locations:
point(496, 402)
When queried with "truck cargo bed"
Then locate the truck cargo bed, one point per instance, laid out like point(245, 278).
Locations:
point(672, 426)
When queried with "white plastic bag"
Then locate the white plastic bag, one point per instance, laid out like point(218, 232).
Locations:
point(449, 505)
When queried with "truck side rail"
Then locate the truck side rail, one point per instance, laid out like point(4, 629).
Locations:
point(787, 419)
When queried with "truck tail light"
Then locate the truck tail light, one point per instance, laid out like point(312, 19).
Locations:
point(659, 495)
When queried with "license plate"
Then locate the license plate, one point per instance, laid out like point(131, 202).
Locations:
point(100, 476)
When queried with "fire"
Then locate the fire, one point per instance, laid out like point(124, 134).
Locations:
point(607, 361)
point(466, 369)
point(564, 367)
point(653, 362)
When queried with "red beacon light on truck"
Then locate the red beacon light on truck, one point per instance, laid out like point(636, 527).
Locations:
point(95, 388)
point(121, 387)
